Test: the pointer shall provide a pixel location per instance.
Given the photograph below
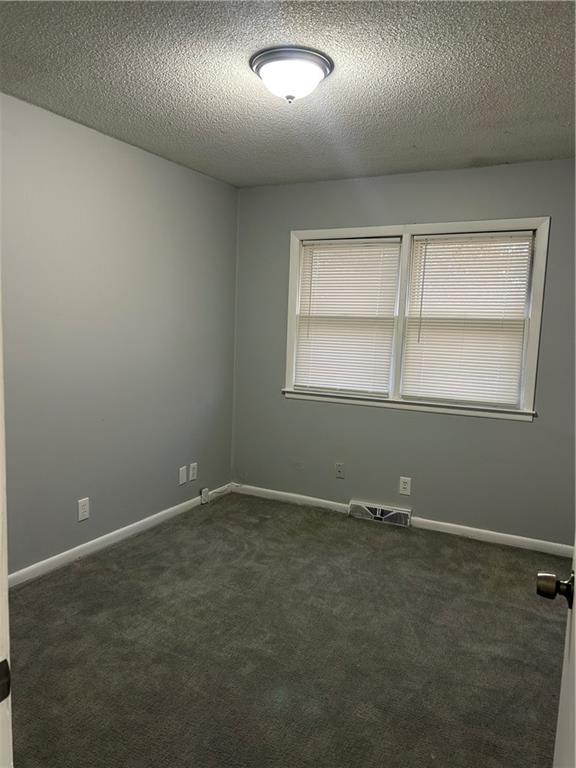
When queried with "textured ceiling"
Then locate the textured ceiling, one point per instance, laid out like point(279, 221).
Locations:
point(417, 85)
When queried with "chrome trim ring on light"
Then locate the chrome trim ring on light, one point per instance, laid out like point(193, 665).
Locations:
point(282, 53)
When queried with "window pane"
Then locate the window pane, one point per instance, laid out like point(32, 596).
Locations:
point(473, 276)
point(351, 354)
point(468, 361)
point(355, 280)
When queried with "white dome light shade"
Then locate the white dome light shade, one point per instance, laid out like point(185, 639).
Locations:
point(291, 79)
point(291, 73)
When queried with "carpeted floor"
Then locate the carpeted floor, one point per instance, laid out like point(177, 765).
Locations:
point(254, 634)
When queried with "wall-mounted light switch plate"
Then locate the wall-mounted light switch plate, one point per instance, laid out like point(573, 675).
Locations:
point(182, 475)
point(193, 471)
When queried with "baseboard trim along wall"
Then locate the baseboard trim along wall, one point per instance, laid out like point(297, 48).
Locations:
point(493, 537)
point(70, 555)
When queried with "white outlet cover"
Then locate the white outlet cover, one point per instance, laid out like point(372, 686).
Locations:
point(83, 509)
point(405, 486)
point(194, 471)
point(182, 475)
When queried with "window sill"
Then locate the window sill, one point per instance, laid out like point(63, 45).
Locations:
point(403, 405)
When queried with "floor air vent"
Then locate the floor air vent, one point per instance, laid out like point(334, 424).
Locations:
point(389, 515)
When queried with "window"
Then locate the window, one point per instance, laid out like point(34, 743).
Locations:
point(346, 316)
point(436, 317)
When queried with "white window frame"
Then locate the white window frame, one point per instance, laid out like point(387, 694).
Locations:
point(540, 226)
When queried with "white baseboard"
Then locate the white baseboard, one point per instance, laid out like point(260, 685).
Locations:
point(57, 561)
point(291, 498)
point(493, 537)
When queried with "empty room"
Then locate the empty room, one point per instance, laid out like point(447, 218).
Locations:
point(287, 384)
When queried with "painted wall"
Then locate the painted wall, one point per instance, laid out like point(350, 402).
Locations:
point(501, 475)
point(118, 303)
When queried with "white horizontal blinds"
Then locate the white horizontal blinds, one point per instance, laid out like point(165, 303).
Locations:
point(346, 316)
point(466, 317)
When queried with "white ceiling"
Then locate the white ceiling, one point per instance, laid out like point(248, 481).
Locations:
point(416, 85)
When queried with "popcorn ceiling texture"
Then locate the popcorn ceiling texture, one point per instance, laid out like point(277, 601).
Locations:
point(416, 86)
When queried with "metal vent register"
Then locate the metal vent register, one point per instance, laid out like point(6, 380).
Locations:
point(379, 514)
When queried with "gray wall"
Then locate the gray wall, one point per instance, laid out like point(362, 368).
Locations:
point(118, 304)
point(501, 475)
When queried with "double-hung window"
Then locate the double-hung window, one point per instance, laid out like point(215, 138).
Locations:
point(440, 317)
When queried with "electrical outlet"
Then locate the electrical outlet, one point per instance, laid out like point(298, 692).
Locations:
point(83, 509)
point(339, 470)
point(205, 495)
point(193, 471)
point(182, 475)
point(405, 486)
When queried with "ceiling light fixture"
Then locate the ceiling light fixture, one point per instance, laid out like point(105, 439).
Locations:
point(291, 73)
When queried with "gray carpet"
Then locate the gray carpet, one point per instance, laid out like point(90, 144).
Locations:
point(254, 634)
